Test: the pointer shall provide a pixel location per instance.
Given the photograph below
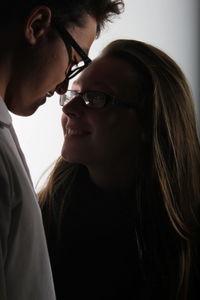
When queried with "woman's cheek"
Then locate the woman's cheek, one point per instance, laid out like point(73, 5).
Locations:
point(63, 121)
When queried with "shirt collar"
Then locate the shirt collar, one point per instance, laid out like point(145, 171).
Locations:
point(5, 117)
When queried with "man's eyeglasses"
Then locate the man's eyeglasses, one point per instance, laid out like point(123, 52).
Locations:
point(94, 99)
point(68, 39)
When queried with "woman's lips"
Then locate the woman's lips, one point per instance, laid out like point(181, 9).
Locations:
point(69, 132)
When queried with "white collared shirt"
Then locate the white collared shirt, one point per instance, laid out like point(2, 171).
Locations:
point(25, 272)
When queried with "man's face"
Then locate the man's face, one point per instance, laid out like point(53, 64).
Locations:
point(39, 69)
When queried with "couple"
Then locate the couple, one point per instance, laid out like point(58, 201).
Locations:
point(121, 208)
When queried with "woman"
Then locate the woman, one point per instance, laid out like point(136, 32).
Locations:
point(121, 207)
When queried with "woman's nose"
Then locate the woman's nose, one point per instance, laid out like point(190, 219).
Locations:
point(62, 87)
point(74, 108)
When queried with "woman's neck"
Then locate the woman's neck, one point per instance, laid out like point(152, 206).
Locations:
point(113, 178)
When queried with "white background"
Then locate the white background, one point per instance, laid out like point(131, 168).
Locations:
point(172, 25)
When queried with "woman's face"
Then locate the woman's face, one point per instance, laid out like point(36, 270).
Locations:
point(107, 136)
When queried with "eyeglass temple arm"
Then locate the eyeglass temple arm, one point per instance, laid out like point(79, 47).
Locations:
point(86, 59)
point(72, 42)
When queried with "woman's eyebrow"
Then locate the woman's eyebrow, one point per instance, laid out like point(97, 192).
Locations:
point(105, 86)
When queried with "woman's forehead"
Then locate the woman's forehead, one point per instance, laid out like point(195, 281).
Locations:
point(106, 71)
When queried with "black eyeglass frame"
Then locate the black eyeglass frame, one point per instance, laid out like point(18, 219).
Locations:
point(68, 39)
point(108, 99)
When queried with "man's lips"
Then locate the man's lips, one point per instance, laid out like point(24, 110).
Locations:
point(49, 94)
point(43, 100)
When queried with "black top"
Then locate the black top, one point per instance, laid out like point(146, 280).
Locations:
point(98, 255)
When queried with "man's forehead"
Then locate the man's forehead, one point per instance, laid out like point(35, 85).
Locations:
point(85, 36)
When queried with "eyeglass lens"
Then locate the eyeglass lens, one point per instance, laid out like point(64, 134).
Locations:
point(91, 98)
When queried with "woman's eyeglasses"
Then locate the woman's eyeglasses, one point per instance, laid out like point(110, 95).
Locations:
point(93, 99)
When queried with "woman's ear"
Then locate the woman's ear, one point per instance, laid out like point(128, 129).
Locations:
point(37, 23)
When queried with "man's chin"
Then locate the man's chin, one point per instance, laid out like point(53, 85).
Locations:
point(25, 111)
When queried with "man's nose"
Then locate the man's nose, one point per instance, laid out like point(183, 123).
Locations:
point(62, 87)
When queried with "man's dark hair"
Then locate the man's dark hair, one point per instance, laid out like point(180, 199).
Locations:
point(66, 12)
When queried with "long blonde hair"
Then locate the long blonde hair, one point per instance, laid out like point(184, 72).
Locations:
point(175, 148)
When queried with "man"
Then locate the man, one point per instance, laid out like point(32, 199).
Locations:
point(41, 44)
